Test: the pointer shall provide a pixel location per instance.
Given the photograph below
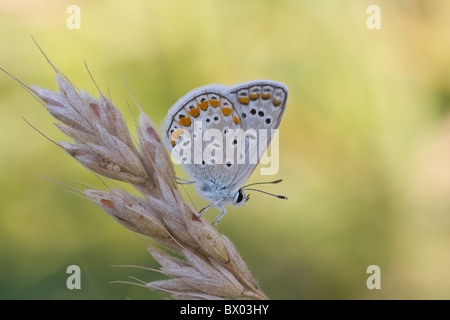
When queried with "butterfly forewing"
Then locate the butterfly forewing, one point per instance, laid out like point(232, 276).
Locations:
point(261, 105)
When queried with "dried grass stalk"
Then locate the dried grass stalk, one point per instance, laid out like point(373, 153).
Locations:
point(212, 268)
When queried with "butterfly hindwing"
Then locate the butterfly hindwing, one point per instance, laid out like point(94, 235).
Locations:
point(197, 127)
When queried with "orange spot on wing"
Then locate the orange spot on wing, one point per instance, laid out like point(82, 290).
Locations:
point(172, 142)
point(254, 96)
point(176, 134)
point(243, 100)
point(194, 112)
point(203, 105)
point(236, 120)
point(214, 103)
point(276, 102)
point(185, 121)
point(266, 96)
point(226, 111)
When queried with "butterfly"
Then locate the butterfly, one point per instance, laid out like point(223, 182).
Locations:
point(219, 133)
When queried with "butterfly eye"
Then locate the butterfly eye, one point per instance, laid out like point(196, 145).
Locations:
point(241, 196)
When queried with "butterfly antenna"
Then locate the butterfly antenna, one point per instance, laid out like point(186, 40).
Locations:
point(252, 184)
point(270, 194)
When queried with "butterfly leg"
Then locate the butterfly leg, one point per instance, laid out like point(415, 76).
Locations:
point(185, 181)
point(220, 216)
point(214, 204)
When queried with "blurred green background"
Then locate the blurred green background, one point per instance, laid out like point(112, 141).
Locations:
point(364, 143)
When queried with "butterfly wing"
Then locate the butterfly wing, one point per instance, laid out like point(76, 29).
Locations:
point(260, 104)
point(189, 123)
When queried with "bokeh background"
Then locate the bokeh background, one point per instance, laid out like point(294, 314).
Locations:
point(364, 143)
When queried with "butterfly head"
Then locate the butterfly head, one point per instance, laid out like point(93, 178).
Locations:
point(240, 198)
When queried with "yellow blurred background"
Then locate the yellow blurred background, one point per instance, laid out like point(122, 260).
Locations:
point(364, 143)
